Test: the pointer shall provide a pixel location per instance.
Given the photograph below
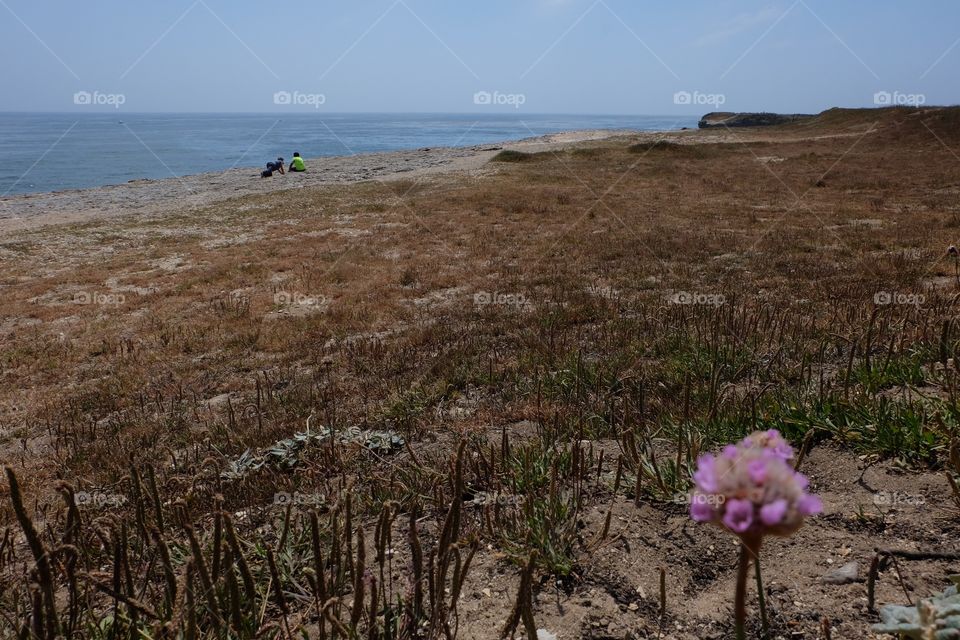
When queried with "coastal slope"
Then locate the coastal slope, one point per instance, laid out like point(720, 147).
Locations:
point(388, 383)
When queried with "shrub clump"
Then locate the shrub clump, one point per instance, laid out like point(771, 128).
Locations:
point(512, 156)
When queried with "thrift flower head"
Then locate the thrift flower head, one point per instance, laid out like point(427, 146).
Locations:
point(751, 489)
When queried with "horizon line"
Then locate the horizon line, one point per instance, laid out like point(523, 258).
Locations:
point(306, 113)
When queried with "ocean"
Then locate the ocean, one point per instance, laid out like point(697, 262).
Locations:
point(57, 152)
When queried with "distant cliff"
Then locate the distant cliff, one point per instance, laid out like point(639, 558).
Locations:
point(726, 119)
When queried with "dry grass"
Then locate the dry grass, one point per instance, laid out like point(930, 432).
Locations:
point(530, 316)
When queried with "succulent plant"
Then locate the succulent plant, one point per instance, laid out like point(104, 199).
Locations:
point(936, 618)
point(285, 454)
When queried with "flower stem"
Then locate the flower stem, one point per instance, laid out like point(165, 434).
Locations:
point(761, 597)
point(740, 601)
point(749, 550)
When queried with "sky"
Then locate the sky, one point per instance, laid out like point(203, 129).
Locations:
point(625, 57)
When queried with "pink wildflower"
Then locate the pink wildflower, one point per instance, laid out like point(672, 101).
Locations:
point(752, 489)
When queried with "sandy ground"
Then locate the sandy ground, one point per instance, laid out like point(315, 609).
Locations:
point(618, 593)
point(150, 197)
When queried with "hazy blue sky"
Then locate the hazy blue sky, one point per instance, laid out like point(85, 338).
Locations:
point(538, 56)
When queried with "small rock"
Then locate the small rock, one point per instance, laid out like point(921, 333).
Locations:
point(219, 401)
point(846, 574)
